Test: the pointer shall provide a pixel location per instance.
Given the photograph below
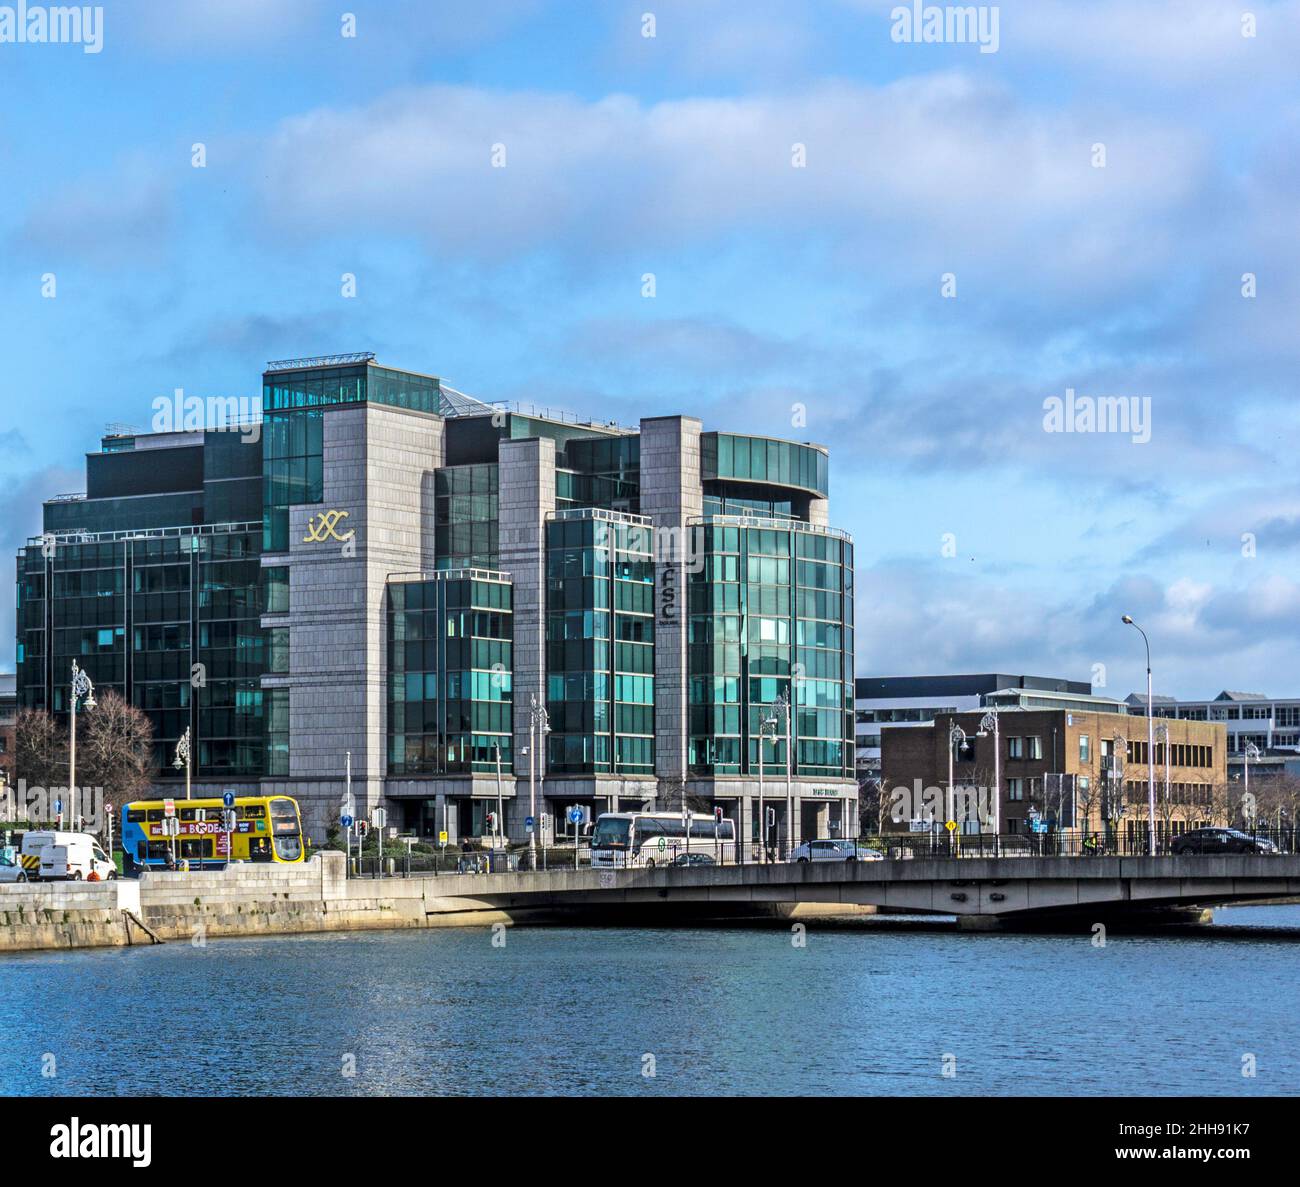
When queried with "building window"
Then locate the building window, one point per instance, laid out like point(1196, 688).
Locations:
point(1034, 748)
point(1084, 751)
point(1015, 748)
point(1015, 789)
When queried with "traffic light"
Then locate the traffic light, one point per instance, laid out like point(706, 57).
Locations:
point(717, 815)
point(492, 822)
point(771, 817)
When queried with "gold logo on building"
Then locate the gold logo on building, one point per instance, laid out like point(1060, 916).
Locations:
point(325, 527)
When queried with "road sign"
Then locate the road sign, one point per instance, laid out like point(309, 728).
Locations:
point(951, 826)
point(228, 798)
point(58, 807)
point(529, 822)
point(442, 836)
point(575, 815)
point(345, 821)
point(380, 817)
point(169, 808)
point(108, 807)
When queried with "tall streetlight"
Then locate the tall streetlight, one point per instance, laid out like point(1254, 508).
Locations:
point(182, 759)
point(500, 821)
point(782, 714)
point(538, 718)
point(1251, 751)
point(766, 726)
point(1118, 764)
point(82, 686)
point(1151, 743)
point(989, 724)
point(956, 736)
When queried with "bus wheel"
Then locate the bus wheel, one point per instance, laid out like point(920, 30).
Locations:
point(649, 863)
point(76, 877)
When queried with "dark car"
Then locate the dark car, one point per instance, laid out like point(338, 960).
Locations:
point(1220, 840)
point(694, 859)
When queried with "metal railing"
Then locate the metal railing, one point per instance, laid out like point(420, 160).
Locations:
point(817, 849)
point(1089, 843)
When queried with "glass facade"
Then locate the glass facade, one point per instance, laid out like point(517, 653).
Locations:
point(293, 447)
point(450, 666)
point(322, 387)
point(599, 644)
point(768, 604)
point(169, 620)
point(599, 472)
point(465, 516)
point(763, 459)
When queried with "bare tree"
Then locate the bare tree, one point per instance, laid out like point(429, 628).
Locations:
point(115, 749)
point(40, 749)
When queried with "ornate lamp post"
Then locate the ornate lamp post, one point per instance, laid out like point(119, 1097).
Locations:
point(769, 725)
point(538, 720)
point(783, 716)
point(989, 724)
point(182, 759)
point(82, 686)
point(956, 736)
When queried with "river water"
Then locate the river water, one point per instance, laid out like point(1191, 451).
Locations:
point(880, 1010)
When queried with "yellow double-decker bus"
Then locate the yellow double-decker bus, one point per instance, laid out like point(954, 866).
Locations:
point(267, 828)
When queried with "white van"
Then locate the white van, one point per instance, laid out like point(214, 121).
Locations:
point(76, 857)
point(35, 843)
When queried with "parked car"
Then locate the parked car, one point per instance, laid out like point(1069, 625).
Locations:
point(11, 871)
point(694, 859)
point(1220, 840)
point(77, 856)
point(837, 850)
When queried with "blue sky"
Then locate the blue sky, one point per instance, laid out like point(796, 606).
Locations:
point(777, 288)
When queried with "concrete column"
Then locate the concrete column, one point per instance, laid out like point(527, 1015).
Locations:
point(796, 822)
point(527, 496)
point(671, 494)
point(377, 461)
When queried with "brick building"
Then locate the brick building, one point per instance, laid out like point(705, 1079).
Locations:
point(1074, 769)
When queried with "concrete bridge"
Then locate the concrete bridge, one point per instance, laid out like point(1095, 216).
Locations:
point(980, 891)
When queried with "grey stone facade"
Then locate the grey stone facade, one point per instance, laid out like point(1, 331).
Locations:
point(378, 467)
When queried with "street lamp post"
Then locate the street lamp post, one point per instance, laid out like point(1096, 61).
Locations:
point(500, 808)
point(989, 722)
point(182, 759)
point(537, 717)
point(1151, 743)
point(1119, 763)
point(768, 724)
point(781, 711)
point(1251, 751)
point(1162, 734)
point(82, 686)
point(956, 736)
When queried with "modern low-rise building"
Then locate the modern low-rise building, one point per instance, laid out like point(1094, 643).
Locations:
point(464, 604)
point(909, 702)
point(1072, 769)
point(1269, 727)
